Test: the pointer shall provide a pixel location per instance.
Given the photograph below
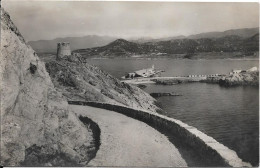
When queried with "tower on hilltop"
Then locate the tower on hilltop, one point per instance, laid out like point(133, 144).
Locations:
point(63, 49)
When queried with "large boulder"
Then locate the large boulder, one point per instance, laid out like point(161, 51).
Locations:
point(242, 78)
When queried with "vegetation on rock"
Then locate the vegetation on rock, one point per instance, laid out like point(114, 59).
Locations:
point(78, 80)
point(187, 47)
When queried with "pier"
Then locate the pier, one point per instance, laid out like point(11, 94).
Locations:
point(188, 78)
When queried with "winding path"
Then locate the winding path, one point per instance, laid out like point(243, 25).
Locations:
point(128, 142)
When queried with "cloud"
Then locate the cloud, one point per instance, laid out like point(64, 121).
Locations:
point(48, 20)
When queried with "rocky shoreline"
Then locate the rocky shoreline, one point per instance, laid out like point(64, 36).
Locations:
point(39, 128)
point(245, 78)
point(248, 77)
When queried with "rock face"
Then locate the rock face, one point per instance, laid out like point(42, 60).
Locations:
point(242, 78)
point(81, 81)
point(248, 77)
point(37, 128)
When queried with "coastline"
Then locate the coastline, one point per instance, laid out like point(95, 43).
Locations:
point(63, 108)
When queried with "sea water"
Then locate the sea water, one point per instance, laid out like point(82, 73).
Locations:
point(230, 115)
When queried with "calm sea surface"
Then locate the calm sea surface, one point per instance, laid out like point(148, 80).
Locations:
point(230, 115)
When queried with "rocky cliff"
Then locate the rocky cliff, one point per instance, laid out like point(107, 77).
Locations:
point(37, 129)
point(78, 80)
point(242, 78)
point(245, 78)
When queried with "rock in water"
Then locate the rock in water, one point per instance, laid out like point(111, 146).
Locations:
point(244, 78)
point(164, 94)
point(37, 128)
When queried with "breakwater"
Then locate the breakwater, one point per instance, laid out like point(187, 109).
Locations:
point(166, 80)
point(196, 148)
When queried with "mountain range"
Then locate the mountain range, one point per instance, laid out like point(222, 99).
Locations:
point(245, 33)
point(90, 41)
point(187, 47)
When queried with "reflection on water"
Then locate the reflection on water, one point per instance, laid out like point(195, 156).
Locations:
point(230, 115)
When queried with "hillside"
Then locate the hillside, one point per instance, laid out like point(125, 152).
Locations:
point(228, 44)
point(117, 48)
point(145, 40)
point(252, 43)
point(37, 129)
point(50, 46)
point(91, 41)
point(244, 33)
point(85, 82)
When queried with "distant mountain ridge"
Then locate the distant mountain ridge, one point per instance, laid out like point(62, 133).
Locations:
point(121, 47)
point(91, 41)
point(244, 33)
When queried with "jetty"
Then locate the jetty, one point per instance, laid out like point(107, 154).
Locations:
point(169, 80)
point(152, 75)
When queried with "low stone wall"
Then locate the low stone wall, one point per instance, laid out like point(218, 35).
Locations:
point(196, 148)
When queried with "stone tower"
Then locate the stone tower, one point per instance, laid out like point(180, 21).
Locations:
point(63, 49)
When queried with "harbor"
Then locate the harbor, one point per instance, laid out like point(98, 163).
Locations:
point(195, 107)
point(152, 75)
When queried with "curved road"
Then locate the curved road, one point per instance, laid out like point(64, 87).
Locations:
point(128, 142)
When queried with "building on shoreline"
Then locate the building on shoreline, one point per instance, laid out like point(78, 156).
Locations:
point(237, 71)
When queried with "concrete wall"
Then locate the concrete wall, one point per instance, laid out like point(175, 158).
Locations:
point(196, 148)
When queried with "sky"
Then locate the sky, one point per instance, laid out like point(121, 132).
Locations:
point(43, 20)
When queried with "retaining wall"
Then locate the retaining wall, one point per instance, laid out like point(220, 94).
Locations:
point(196, 148)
